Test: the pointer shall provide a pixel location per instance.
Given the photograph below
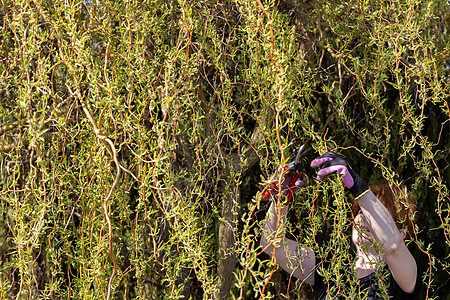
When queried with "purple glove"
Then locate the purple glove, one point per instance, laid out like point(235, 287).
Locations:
point(332, 163)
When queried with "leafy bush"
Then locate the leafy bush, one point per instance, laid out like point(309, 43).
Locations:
point(136, 138)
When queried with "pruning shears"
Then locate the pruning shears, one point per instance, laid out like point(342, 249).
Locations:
point(291, 170)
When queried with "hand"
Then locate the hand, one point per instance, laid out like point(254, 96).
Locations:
point(333, 163)
point(289, 185)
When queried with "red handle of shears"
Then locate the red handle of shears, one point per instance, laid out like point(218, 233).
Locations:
point(291, 185)
point(267, 192)
point(290, 191)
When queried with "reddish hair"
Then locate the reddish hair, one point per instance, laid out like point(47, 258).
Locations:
point(399, 205)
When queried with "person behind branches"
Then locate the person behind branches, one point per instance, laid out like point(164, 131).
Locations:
point(377, 234)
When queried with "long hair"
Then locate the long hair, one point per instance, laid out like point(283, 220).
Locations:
point(399, 205)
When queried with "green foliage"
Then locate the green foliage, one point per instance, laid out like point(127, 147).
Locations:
point(136, 138)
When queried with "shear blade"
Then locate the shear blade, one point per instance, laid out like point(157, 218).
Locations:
point(299, 154)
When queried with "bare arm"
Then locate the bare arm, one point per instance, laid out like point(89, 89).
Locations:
point(382, 227)
point(384, 230)
point(299, 261)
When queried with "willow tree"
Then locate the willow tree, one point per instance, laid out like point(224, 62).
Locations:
point(136, 138)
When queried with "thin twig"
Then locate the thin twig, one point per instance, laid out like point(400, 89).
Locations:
point(272, 39)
